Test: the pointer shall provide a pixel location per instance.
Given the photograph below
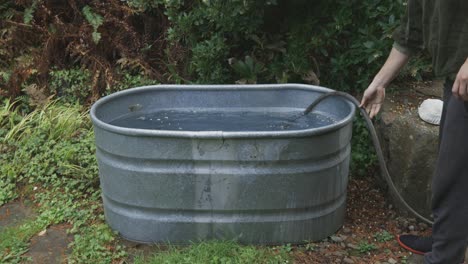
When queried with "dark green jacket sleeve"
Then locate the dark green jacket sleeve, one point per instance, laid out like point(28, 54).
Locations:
point(409, 35)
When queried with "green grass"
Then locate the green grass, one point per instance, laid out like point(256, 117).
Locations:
point(14, 240)
point(53, 120)
point(217, 253)
point(48, 155)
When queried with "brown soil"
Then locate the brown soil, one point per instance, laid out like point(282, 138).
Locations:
point(368, 214)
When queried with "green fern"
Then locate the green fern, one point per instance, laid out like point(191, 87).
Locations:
point(5, 76)
point(29, 13)
point(95, 20)
point(6, 10)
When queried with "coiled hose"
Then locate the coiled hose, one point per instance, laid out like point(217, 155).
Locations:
point(378, 148)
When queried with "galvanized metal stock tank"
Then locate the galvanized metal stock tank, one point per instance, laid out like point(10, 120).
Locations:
point(268, 187)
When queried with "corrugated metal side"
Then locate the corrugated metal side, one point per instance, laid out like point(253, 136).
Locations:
point(254, 190)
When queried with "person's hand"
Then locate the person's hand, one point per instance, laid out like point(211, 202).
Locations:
point(375, 94)
point(373, 99)
point(460, 86)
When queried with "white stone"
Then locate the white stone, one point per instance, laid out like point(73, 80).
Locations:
point(430, 111)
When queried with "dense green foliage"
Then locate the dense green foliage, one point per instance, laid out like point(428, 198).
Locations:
point(339, 44)
point(48, 154)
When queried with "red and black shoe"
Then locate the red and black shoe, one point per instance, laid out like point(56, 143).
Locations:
point(416, 244)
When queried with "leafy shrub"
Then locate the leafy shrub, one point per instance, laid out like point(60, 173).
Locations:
point(297, 41)
point(209, 60)
point(73, 84)
point(339, 44)
point(129, 80)
point(50, 154)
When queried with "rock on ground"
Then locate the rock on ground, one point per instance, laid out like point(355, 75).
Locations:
point(13, 213)
point(50, 246)
point(409, 144)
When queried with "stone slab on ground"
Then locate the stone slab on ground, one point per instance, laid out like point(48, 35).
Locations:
point(13, 213)
point(50, 247)
point(410, 144)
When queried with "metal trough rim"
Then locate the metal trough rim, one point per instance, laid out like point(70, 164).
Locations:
point(218, 134)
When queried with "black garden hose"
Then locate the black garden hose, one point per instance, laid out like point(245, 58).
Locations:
point(378, 148)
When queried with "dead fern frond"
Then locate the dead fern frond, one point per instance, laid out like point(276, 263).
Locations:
point(103, 37)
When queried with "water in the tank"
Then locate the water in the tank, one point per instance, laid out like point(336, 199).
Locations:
point(194, 120)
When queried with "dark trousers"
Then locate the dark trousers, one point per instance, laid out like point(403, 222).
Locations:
point(450, 184)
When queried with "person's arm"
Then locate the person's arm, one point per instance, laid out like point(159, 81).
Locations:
point(375, 94)
point(460, 86)
point(408, 40)
point(408, 36)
